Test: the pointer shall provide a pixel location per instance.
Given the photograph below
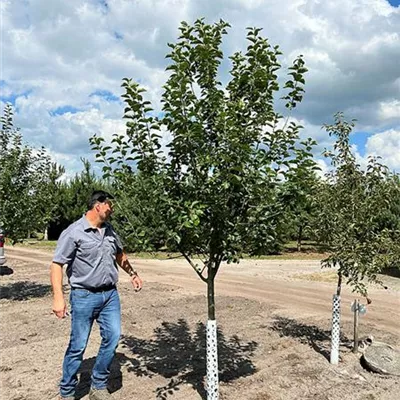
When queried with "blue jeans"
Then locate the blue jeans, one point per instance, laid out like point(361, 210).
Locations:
point(86, 307)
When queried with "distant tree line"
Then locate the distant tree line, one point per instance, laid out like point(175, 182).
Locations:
point(33, 198)
point(28, 183)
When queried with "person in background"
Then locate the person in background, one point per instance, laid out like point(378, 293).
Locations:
point(92, 251)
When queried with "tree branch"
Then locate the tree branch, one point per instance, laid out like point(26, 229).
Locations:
point(194, 266)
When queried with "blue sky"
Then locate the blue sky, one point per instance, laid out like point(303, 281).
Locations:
point(62, 64)
point(360, 138)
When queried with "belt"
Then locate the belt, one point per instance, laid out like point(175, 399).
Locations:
point(104, 288)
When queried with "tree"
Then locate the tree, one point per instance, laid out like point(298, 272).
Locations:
point(230, 149)
point(44, 195)
point(298, 192)
point(351, 204)
point(27, 179)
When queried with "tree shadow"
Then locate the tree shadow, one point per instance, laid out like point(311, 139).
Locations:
point(178, 354)
point(4, 270)
point(114, 380)
point(392, 271)
point(311, 335)
point(24, 290)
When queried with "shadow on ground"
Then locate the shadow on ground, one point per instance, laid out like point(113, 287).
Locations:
point(4, 270)
point(24, 290)
point(114, 381)
point(179, 355)
point(311, 335)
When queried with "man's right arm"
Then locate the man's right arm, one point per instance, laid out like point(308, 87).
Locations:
point(56, 279)
point(64, 254)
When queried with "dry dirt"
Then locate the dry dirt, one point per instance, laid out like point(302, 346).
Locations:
point(273, 318)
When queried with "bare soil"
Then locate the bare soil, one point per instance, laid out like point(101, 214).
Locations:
point(274, 333)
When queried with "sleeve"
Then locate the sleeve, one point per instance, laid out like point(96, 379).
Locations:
point(66, 249)
point(120, 246)
point(118, 241)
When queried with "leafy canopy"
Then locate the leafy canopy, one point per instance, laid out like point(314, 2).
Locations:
point(355, 212)
point(215, 181)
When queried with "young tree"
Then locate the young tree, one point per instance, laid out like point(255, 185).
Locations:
point(350, 208)
point(230, 149)
point(27, 179)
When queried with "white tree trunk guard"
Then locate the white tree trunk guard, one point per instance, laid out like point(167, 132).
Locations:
point(335, 339)
point(212, 361)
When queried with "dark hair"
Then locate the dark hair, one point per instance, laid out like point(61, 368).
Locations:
point(98, 196)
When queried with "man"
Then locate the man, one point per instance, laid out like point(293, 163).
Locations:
point(91, 249)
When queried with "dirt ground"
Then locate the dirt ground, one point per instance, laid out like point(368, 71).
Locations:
point(274, 330)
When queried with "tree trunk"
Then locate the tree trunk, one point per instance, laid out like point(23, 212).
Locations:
point(212, 348)
point(210, 294)
point(299, 238)
point(335, 334)
point(339, 285)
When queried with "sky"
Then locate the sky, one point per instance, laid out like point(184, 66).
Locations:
point(62, 64)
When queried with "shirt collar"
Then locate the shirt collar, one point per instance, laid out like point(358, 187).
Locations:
point(86, 225)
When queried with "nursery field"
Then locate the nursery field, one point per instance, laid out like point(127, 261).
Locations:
point(274, 333)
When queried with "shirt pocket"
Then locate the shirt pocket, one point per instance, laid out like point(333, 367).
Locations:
point(88, 251)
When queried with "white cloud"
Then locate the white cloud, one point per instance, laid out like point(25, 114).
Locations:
point(324, 167)
point(58, 53)
point(390, 110)
point(386, 145)
point(68, 133)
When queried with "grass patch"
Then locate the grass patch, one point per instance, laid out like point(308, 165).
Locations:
point(325, 276)
point(159, 255)
point(38, 244)
point(310, 251)
point(290, 256)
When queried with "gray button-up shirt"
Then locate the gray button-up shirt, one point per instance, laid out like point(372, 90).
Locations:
point(90, 254)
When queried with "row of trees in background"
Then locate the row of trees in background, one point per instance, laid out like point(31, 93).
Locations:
point(28, 183)
point(71, 198)
point(33, 199)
